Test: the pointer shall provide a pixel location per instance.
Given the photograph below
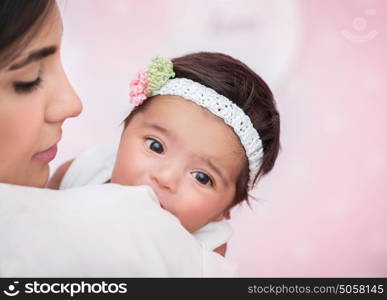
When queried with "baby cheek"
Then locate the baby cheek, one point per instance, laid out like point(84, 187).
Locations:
point(129, 167)
point(122, 173)
point(194, 209)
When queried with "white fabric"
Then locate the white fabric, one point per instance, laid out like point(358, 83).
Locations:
point(105, 230)
point(95, 166)
point(225, 109)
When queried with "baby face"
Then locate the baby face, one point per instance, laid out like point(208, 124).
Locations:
point(190, 158)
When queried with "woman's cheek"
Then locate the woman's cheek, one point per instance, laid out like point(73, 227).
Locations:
point(20, 143)
point(18, 139)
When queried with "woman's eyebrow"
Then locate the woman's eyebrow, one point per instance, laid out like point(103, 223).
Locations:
point(34, 56)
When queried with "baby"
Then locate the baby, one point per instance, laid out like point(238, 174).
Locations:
point(204, 130)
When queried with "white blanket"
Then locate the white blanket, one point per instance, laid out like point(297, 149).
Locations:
point(95, 166)
point(97, 231)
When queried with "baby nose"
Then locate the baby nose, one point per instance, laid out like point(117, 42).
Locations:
point(166, 177)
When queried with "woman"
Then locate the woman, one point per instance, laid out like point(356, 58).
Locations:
point(90, 231)
point(35, 94)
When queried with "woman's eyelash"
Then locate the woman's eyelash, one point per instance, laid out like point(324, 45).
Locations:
point(27, 87)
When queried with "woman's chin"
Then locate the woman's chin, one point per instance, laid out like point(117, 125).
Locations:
point(38, 179)
point(38, 182)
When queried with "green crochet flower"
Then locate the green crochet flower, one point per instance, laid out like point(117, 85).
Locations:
point(160, 69)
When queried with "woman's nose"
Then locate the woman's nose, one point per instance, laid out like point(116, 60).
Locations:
point(166, 177)
point(64, 102)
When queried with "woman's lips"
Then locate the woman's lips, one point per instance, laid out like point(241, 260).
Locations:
point(47, 155)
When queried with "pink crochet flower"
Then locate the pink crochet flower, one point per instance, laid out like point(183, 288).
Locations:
point(138, 88)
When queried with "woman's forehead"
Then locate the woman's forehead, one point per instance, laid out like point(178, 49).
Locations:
point(50, 31)
point(47, 35)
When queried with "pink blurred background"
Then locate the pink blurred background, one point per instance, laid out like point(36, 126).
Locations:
point(322, 211)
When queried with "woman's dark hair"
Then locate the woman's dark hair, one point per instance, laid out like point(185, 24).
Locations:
point(20, 21)
point(236, 81)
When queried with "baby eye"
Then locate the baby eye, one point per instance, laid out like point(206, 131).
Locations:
point(202, 178)
point(154, 145)
point(27, 87)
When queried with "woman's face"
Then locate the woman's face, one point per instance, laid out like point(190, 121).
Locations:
point(35, 99)
point(190, 158)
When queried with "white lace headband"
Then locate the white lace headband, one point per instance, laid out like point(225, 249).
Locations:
point(147, 84)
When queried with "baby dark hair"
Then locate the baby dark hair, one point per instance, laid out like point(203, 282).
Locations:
point(236, 81)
